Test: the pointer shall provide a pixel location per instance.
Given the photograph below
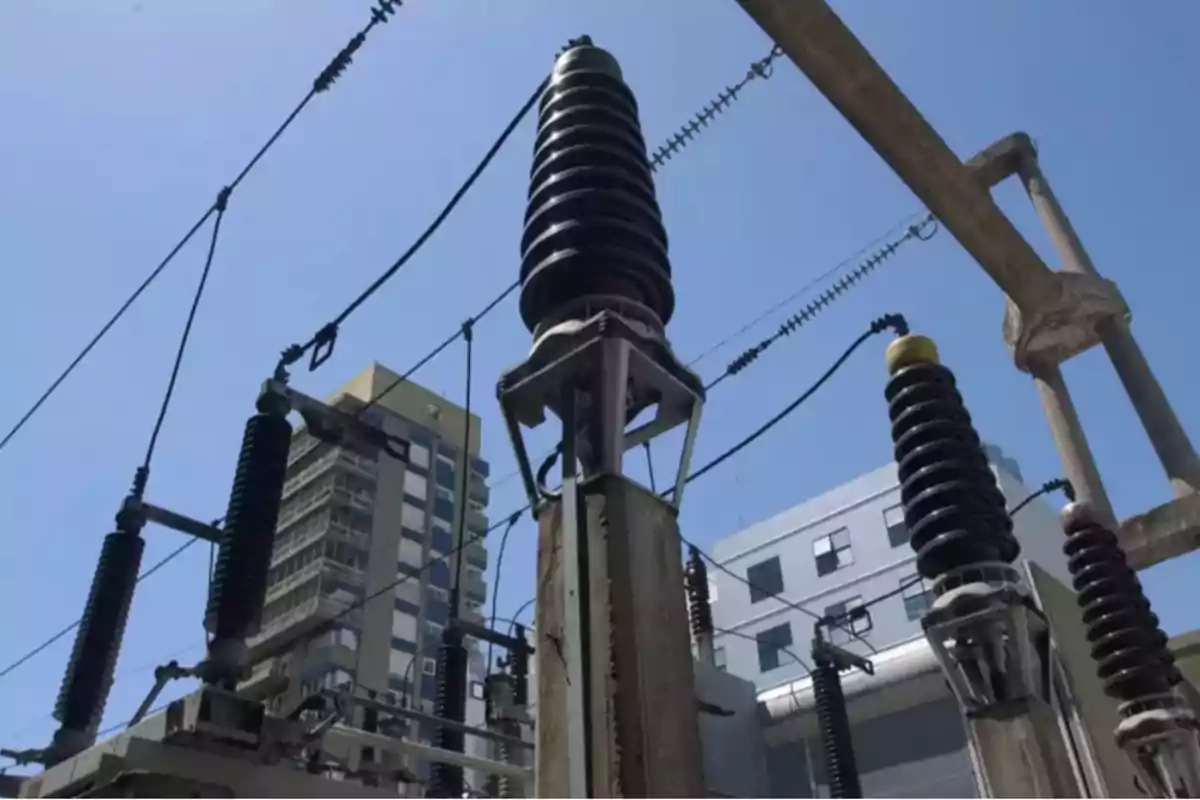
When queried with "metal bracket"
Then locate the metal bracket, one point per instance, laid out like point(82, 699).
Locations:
point(337, 427)
point(640, 372)
point(208, 531)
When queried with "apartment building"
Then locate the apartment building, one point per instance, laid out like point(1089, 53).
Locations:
point(833, 553)
point(351, 525)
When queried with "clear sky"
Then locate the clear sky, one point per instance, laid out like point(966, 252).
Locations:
point(123, 119)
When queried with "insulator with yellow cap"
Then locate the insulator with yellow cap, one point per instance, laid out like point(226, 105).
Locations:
point(953, 507)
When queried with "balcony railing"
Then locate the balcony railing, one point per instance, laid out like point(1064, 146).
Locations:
point(309, 473)
point(302, 575)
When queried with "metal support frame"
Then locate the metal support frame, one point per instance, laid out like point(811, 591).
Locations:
point(994, 647)
point(605, 344)
point(596, 375)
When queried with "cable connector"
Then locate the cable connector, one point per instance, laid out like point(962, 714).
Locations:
point(386, 8)
point(222, 201)
point(896, 322)
point(468, 330)
point(322, 345)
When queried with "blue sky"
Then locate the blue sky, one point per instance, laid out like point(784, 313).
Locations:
point(124, 119)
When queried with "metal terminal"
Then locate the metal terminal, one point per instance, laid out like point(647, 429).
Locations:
point(1157, 730)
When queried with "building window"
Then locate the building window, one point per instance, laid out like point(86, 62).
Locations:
point(917, 596)
point(419, 455)
point(765, 579)
point(897, 531)
point(719, 658)
point(832, 552)
point(477, 690)
point(771, 642)
point(429, 666)
point(846, 628)
point(416, 486)
point(412, 517)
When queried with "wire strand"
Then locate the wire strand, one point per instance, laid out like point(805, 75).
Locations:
point(56, 637)
point(808, 286)
point(336, 67)
point(181, 350)
point(328, 333)
point(512, 521)
point(464, 482)
point(435, 352)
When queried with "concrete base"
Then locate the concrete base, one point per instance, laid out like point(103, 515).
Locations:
point(1162, 533)
point(641, 692)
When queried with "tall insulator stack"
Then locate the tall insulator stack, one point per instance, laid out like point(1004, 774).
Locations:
point(446, 780)
point(89, 675)
point(1130, 649)
point(695, 576)
point(239, 584)
point(594, 237)
point(841, 767)
point(953, 507)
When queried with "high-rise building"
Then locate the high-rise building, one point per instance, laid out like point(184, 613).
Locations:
point(833, 553)
point(352, 524)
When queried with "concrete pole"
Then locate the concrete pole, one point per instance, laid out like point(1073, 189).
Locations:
point(1167, 435)
point(1079, 465)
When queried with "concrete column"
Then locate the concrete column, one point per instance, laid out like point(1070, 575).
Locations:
point(640, 689)
point(1167, 435)
point(1078, 464)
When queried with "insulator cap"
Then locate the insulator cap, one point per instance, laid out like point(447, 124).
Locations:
point(593, 235)
point(910, 349)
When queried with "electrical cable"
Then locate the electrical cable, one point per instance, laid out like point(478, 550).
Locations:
point(893, 321)
point(856, 256)
point(825, 298)
point(464, 483)
point(517, 615)
point(321, 83)
point(1049, 486)
point(512, 521)
point(435, 352)
point(56, 637)
point(321, 343)
point(181, 350)
point(907, 224)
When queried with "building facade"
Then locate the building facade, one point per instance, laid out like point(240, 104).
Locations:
point(351, 525)
point(833, 553)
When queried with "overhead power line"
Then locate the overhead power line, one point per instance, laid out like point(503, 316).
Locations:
point(324, 80)
point(167, 559)
point(322, 342)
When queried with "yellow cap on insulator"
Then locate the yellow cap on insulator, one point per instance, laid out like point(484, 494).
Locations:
point(911, 349)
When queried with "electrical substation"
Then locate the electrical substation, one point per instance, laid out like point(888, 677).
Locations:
point(1060, 685)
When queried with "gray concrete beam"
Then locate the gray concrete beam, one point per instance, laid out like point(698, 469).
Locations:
point(827, 52)
point(1162, 533)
